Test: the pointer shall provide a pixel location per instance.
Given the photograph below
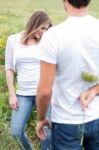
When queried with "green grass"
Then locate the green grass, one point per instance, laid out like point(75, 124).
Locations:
point(14, 15)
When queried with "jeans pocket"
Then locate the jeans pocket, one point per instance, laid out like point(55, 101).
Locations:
point(67, 131)
point(74, 131)
point(66, 136)
point(77, 132)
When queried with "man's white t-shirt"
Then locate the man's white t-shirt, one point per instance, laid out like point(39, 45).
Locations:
point(74, 47)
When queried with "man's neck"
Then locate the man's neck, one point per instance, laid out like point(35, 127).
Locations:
point(78, 12)
point(72, 11)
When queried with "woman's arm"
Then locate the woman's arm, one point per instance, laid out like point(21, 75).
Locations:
point(13, 102)
point(10, 81)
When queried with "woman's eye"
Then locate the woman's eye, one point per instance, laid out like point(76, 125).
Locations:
point(43, 28)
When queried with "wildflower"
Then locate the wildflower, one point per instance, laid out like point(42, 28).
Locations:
point(2, 43)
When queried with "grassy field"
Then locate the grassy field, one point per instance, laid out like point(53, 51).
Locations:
point(14, 15)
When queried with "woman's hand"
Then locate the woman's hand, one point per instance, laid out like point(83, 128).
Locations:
point(13, 102)
point(86, 97)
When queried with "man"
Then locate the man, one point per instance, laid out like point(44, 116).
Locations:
point(68, 49)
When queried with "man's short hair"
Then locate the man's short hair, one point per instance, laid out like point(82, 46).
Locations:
point(79, 3)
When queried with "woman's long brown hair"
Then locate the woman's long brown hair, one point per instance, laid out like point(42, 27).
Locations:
point(35, 22)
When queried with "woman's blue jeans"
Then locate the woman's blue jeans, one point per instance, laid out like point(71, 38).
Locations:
point(19, 120)
point(68, 136)
point(47, 143)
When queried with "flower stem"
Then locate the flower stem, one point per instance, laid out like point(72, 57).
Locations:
point(82, 136)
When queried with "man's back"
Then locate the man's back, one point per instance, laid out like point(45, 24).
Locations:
point(74, 47)
point(67, 50)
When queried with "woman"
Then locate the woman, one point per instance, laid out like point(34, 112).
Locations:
point(21, 56)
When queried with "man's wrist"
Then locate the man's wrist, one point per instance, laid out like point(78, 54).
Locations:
point(40, 118)
point(95, 90)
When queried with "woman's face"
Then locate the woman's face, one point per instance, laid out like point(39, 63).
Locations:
point(40, 32)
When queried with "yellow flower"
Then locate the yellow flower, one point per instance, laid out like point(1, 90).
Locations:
point(2, 43)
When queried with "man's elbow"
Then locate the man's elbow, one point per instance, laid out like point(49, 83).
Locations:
point(44, 92)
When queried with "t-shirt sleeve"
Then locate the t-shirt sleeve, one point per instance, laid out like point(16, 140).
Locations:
point(48, 48)
point(9, 53)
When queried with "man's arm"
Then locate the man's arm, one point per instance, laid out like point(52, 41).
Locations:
point(87, 96)
point(96, 89)
point(47, 73)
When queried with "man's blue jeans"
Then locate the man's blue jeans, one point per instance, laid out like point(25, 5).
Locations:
point(19, 120)
point(68, 136)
